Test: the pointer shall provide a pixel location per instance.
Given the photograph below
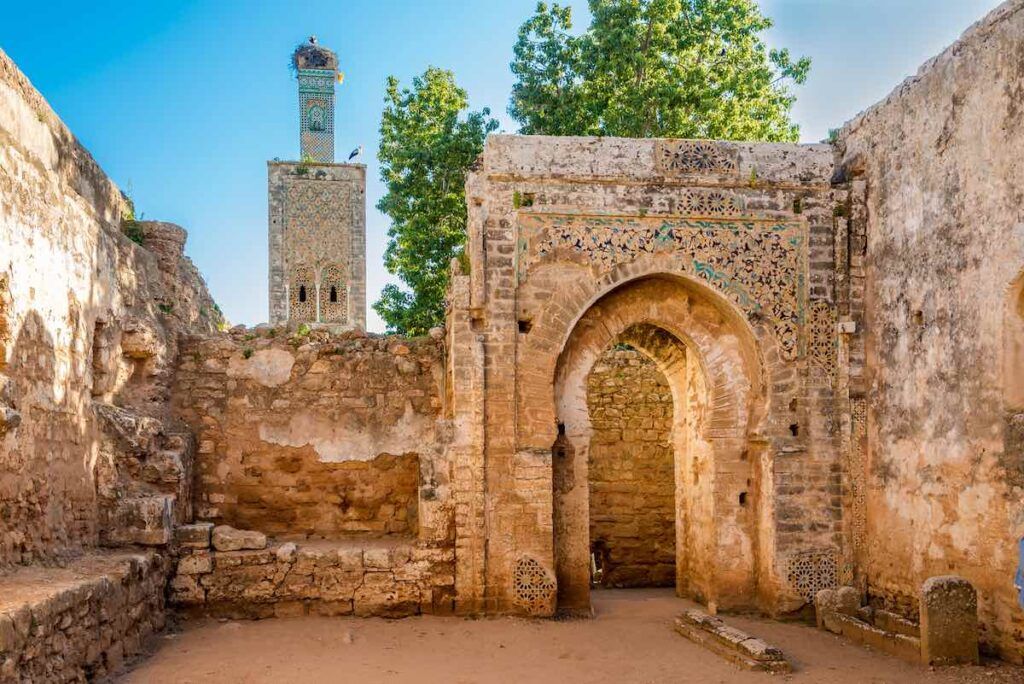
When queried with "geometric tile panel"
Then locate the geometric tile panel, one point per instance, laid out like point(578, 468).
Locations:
point(809, 572)
point(758, 265)
point(533, 587)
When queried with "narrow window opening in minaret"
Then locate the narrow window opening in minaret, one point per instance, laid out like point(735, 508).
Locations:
point(334, 294)
point(302, 293)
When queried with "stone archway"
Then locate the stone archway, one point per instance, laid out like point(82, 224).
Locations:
point(704, 352)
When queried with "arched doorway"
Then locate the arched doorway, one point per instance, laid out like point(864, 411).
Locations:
point(707, 359)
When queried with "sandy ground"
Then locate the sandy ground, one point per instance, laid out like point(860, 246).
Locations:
point(630, 640)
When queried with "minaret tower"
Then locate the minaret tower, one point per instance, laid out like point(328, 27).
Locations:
point(317, 70)
point(317, 212)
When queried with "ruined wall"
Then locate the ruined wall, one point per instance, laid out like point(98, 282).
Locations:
point(80, 623)
point(316, 435)
point(938, 185)
point(88, 328)
point(632, 479)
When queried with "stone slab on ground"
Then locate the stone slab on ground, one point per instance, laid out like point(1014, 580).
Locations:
point(734, 645)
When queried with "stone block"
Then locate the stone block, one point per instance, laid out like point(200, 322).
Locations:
point(331, 608)
point(286, 553)
point(145, 520)
point(9, 639)
point(824, 609)
point(286, 609)
point(196, 563)
point(195, 536)
point(227, 538)
point(949, 621)
point(378, 559)
point(381, 596)
point(847, 601)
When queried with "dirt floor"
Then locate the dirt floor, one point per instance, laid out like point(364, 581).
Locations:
point(630, 640)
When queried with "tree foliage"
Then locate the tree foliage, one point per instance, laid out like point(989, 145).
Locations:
point(427, 143)
point(655, 68)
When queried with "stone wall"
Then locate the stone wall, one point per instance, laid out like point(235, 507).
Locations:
point(939, 466)
point(378, 577)
point(88, 327)
point(82, 622)
point(313, 435)
point(632, 471)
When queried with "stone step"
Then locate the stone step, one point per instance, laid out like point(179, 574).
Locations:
point(734, 645)
point(145, 520)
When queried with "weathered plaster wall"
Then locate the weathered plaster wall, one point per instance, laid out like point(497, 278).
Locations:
point(632, 471)
point(317, 435)
point(88, 320)
point(938, 176)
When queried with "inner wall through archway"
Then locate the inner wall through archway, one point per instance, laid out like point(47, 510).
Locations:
point(631, 472)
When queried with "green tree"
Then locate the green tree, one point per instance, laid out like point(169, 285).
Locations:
point(427, 143)
point(655, 68)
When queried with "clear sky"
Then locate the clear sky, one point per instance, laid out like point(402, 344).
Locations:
point(182, 102)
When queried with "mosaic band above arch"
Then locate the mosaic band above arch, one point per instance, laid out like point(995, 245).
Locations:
point(759, 265)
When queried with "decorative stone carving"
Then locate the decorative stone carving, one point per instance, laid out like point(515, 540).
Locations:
point(809, 572)
point(302, 294)
point(533, 587)
point(856, 472)
point(709, 203)
point(681, 157)
point(821, 339)
point(333, 295)
point(758, 265)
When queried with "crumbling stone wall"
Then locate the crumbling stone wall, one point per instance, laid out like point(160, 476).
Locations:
point(632, 478)
point(936, 176)
point(314, 435)
point(88, 327)
point(80, 623)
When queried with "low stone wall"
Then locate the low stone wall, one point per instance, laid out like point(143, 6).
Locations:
point(311, 435)
point(386, 578)
point(946, 634)
point(82, 621)
point(632, 481)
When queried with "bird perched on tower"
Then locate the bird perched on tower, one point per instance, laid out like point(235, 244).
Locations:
point(355, 153)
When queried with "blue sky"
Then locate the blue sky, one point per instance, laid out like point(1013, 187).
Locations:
point(183, 102)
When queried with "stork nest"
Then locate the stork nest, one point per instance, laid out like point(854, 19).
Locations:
point(313, 56)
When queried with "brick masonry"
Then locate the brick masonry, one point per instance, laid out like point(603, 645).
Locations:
point(632, 471)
